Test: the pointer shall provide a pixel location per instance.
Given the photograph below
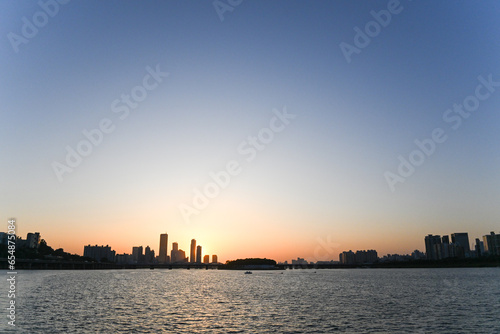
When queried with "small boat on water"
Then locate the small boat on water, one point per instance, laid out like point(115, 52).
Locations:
point(248, 272)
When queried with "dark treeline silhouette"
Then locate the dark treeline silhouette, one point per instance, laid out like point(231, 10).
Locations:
point(43, 251)
point(240, 263)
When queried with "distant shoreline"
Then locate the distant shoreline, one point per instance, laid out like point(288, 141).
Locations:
point(27, 264)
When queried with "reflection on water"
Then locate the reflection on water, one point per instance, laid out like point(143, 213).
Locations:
point(293, 301)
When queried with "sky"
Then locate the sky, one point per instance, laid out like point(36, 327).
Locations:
point(278, 129)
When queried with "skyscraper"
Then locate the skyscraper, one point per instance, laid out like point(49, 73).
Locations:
point(432, 243)
point(206, 259)
point(492, 243)
point(462, 241)
point(163, 255)
point(479, 248)
point(149, 255)
point(198, 254)
point(192, 254)
point(174, 254)
point(137, 254)
point(214, 259)
point(182, 255)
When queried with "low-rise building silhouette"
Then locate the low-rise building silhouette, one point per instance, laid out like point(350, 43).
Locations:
point(99, 253)
point(360, 257)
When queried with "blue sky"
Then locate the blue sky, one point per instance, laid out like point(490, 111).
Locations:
point(323, 175)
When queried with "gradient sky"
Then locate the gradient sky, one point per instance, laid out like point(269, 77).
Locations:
point(317, 189)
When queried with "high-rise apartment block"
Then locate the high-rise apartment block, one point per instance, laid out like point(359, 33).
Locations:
point(432, 244)
point(192, 253)
point(491, 244)
point(198, 254)
point(163, 254)
point(137, 256)
point(99, 253)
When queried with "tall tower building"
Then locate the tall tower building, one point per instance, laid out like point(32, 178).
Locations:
point(175, 256)
point(462, 240)
point(492, 243)
point(192, 254)
point(137, 254)
point(432, 244)
point(198, 254)
point(163, 255)
point(149, 255)
point(214, 259)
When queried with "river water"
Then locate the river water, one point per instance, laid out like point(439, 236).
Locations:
point(464, 300)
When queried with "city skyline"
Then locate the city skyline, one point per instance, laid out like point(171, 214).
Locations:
point(137, 256)
point(277, 129)
point(435, 247)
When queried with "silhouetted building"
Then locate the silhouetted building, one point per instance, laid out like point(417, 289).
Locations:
point(149, 255)
point(33, 240)
point(174, 253)
point(177, 255)
point(347, 257)
point(214, 259)
point(206, 259)
point(299, 261)
point(192, 253)
point(445, 239)
point(371, 256)
point(3, 238)
point(363, 256)
point(432, 245)
point(418, 255)
point(123, 258)
point(492, 243)
point(182, 256)
point(99, 253)
point(137, 256)
point(163, 253)
point(461, 241)
point(396, 258)
point(198, 254)
point(479, 248)
point(360, 257)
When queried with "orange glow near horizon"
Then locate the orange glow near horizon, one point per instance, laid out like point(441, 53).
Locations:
point(227, 243)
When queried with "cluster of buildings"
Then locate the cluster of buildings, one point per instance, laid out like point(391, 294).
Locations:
point(360, 257)
point(147, 255)
point(415, 255)
point(99, 253)
point(32, 240)
point(437, 247)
